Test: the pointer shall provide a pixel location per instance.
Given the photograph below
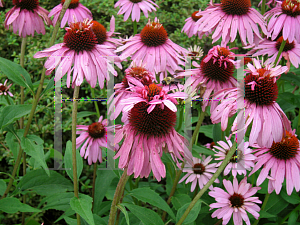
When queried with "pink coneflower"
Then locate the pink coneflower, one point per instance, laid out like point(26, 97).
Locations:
point(134, 7)
point(283, 159)
point(95, 137)
point(200, 171)
point(210, 145)
point(26, 17)
point(284, 17)
point(80, 49)
point(229, 17)
point(191, 27)
point(76, 9)
point(4, 89)
point(2, 3)
point(134, 75)
point(242, 159)
point(215, 72)
point(258, 104)
point(153, 47)
point(148, 131)
point(291, 51)
point(236, 202)
point(104, 37)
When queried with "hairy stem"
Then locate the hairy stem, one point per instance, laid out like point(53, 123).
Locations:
point(134, 28)
point(94, 183)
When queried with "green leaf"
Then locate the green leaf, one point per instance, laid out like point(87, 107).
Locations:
point(42, 184)
point(275, 204)
point(2, 187)
point(291, 77)
point(70, 221)
point(151, 197)
point(180, 200)
point(36, 151)
point(103, 181)
point(12, 144)
point(83, 206)
point(85, 114)
point(50, 86)
point(217, 132)
point(202, 150)
point(13, 205)
point(147, 216)
point(15, 72)
point(192, 216)
point(264, 214)
point(123, 210)
point(58, 201)
point(12, 113)
point(207, 130)
point(293, 218)
point(68, 161)
point(293, 198)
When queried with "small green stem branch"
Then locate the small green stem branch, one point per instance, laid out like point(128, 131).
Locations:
point(118, 194)
point(209, 183)
point(134, 27)
point(74, 122)
point(279, 52)
point(178, 172)
point(94, 183)
point(263, 7)
point(263, 207)
point(95, 102)
point(36, 99)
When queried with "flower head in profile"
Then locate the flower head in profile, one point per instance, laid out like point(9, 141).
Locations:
point(2, 3)
point(215, 72)
point(230, 17)
point(195, 52)
point(26, 17)
point(134, 76)
point(291, 51)
point(199, 172)
point(93, 138)
point(4, 89)
point(76, 9)
point(153, 47)
point(149, 131)
point(242, 159)
point(210, 145)
point(285, 18)
point(236, 202)
point(256, 96)
point(81, 54)
point(281, 160)
point(191, 27)
point(134, 7)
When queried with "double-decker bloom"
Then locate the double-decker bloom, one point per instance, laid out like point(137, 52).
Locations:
point(76, 9)
point(81, 49)
point(229, 17)
point(134, 7)
point(153, 47)
point(149, 131)
point(285, 18)
point(281, 160)
point(26, 17)
point(237, 201)
point(257, 104)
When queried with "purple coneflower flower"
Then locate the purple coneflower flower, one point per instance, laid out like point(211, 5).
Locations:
point(200, 171)
point(80, 49)
point(153, 47)
point(258, 103)
point(291, 51)
point(229, 17)
point(149, 130)
point(1, 3)
point(210, 145)
point(283, 159)
point(4, 89)
point(134, 8)
point(76, 9)
point(95, 137)
point(242, 159)
point(236, 202)
point(284, 17)
point(26, 17)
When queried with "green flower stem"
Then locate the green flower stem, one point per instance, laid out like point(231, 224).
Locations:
point(279, 52)
point(180, 120)
point(94, 183)
point(178, 172)
point(209, 183)
point(263, 7)
point(22, 59)
point(95, 102)
point(263, 207)
point(36, 99)
point(74, 122)
point(118, 194)
point(7, 99)
point(134, 28)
